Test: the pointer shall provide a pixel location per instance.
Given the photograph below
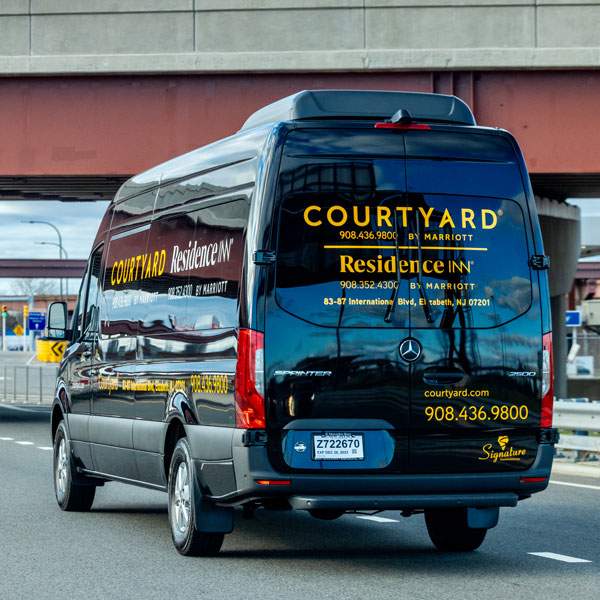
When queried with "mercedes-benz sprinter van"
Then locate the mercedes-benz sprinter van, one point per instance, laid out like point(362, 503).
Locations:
point(342, 307)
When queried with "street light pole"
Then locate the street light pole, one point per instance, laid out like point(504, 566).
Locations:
point(66, 256)
point(60, 246)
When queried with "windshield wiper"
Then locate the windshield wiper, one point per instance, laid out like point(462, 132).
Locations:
point(422, 292)
point(392, 305)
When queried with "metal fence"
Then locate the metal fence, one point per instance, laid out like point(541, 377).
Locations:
point(582, 418)
point(26, 384)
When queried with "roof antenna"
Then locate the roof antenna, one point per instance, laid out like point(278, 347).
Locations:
point(402, 116)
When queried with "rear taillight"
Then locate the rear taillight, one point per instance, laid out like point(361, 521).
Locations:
point(250, 381)
point(547, 381)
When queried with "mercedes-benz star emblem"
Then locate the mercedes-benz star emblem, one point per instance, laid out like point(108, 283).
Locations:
point(410, 349)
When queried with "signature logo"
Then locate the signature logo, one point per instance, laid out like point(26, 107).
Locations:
point(410, 349)
point(506, 452)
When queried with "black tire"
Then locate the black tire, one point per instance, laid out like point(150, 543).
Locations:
point(182, 508)
point(325, 514)
point(69, 495)
point(450, 532)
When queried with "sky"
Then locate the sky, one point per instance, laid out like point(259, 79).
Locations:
point(77, 222)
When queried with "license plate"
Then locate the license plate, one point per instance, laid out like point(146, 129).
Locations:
point(338, 445)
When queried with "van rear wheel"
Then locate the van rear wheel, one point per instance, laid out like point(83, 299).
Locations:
point(450, 532)
point(182, 507)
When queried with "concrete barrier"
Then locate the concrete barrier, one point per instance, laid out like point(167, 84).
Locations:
point(50, 351)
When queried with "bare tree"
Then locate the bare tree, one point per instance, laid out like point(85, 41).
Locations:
point(29, 287)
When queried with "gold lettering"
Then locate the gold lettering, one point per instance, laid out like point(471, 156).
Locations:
point(342, 220)
point(468, 219)
point(484, 223)
point(367, 216)
point(404, 210)
point(426, 215)
point(346, 263)
point(446, 218)
point(307, 220)
point(383, 214)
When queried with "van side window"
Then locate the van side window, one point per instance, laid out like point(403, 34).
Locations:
point(216, 269)
point(127, 264)
point(79, 312)
point(92, 310)
point(200, 257)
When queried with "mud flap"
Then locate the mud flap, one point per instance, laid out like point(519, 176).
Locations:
point(483, 518)
point(210, 518)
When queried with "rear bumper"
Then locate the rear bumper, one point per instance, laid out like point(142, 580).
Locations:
point(372, 491)
point(402, 501)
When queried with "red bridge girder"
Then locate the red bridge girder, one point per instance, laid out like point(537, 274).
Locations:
point(27, 268)
point(119, 125)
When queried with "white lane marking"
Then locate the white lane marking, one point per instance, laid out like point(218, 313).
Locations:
point(377, 519)
point(25, 443)
point(579, 485)
point(31, 359)
point(21, 408)
point(7, 439)
point(561, 557)
point(44, 447)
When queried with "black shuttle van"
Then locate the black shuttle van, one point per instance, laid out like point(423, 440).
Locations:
point(342, 307)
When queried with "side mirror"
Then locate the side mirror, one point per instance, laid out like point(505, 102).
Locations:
point(56, 322)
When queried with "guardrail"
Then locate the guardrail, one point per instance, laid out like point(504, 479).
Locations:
point(26, 384)
point(578, 416)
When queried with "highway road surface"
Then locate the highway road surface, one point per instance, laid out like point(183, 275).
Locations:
point(546, 548)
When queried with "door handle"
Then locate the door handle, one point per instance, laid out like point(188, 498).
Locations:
point(442, 375)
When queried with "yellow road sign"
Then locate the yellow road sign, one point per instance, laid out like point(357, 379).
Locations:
point(18, 330)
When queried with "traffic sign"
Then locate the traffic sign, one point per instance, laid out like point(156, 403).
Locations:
point(19, 330)
point(37, 321)
point(573, 318)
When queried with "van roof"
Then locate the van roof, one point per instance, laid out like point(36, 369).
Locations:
point(362, 104)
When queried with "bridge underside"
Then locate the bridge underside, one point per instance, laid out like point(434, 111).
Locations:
point(77, 138)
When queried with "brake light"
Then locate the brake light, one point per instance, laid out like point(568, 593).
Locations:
point(414, 126)
point(547, 381)
point(250, 380)
point(273, 481)
point(533, 479)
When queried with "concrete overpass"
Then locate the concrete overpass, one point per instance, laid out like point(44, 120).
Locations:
point(92, 92)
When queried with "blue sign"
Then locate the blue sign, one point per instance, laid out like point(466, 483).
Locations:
point(573, 318)
point(37, 321)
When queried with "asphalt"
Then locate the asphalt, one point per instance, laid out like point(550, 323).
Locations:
point(122, 547)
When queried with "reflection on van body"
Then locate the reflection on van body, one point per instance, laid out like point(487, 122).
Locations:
point(324, 312)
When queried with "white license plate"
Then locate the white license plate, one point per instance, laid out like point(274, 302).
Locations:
point(338, 445)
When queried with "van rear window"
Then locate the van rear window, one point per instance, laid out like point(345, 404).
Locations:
point(361, 251)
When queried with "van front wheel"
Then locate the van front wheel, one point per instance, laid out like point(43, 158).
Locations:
point(69, 495)
point(182, 507)
point(450, 532)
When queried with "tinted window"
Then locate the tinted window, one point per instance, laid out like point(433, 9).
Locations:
point(361, 251)
point(200, 260)
point(92, 304)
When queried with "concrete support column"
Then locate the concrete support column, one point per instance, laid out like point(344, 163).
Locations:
point(560, 224)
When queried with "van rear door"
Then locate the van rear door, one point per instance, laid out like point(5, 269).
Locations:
point(331, 338)
point(475, 396)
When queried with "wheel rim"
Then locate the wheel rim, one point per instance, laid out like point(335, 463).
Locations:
point(181, 502)
point(61, 469)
